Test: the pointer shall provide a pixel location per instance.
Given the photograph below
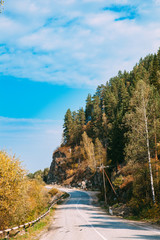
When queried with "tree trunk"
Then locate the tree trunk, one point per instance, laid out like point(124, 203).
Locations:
point(156, 155)
point(148, 148)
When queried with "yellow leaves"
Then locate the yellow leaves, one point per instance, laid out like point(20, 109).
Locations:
point(12, 178)
point(118, 181)
point(53, 191)
point(20, 199)
point(87, 150)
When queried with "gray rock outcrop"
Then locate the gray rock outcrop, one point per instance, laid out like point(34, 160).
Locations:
point(57, 172)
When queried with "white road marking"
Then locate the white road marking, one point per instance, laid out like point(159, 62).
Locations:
point(89, 223)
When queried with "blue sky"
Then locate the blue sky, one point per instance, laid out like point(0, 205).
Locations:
point(53, 53)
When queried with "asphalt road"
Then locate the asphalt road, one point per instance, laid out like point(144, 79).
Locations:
point(77, 219)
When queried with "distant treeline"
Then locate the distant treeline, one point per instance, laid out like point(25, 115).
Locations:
point(123, 119)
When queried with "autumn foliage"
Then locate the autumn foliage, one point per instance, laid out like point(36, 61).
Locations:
point(121, 129)
point(21, 199)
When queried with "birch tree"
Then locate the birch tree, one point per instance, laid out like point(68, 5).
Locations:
point(138, 146)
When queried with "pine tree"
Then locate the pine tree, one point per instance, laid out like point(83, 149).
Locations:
point(155, 76)
point(81, 116)
point(75, 129)
point(97, 117)
point(158, 57)
point(89, 108)
point(68, 124)
point(100, 153)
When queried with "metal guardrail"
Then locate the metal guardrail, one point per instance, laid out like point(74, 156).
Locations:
point(5, 233)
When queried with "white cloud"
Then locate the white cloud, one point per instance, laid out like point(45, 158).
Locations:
point(29, 126)
point(157, 2)
point(44, 39)
point(121, 2)
point(100, 19)
point(72, 42)
point(28, 120)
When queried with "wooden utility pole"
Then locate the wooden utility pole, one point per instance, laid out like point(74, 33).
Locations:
point(111, 185)
point(102, 167)
point(105, 197)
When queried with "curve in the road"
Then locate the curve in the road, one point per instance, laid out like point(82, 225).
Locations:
point(78, 219)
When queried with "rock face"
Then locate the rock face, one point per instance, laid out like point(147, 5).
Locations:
point(57, 172)
point(62, 171)
point(121, 210)
point(92, 180)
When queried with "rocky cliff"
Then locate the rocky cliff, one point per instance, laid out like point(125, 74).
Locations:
point(59, 165)
point(64, 170)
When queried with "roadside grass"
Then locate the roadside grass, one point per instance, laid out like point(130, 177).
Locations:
point(134, 218)
point(37, 229)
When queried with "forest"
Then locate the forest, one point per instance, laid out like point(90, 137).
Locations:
point(120, 128)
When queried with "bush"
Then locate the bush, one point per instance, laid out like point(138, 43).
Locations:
point(12, 187)
point(151, 213)
point(53, 192)
point(21, 199)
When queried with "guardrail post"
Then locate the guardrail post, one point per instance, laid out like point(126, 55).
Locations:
point(5, 233)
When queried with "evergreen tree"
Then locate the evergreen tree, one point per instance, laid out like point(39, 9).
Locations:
point(155, 76)
point(68, 124)
point(89, 107)
point(116, 104)
point(97, 117)
point(104, 131)
point(75, 128)
point(81, 116)
point(158, 57)
point(100, 153)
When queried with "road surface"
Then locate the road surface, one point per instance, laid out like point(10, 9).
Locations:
point(78, 219)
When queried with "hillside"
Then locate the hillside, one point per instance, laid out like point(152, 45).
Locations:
point(120, 128)
point(64, 171)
